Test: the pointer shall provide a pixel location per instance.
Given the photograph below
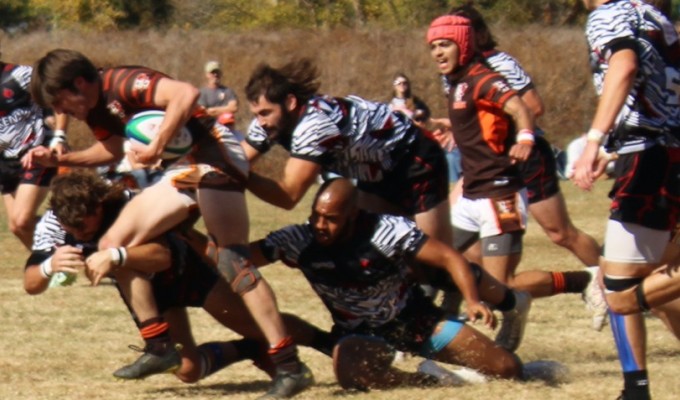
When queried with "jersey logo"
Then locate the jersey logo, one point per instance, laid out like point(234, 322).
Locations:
point(7, 93)
point(458, 94)
point(141, 83)
point(116, 109)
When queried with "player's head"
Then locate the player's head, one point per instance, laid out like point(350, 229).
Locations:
point(451, 41)
point(78, 200)
point(483, 38)
point(276, 94)
point(333, 211)
point(66, 81)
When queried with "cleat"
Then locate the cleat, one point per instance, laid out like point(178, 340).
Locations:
point(287, 384)
point(593, 296)
point(150, 364)
point(510, 335)
point(445, 377)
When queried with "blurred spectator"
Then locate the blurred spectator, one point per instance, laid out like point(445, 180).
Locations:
point(220, 102)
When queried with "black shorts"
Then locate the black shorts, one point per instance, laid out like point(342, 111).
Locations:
point(186, 283)
point(12, 174)
point(419, 182)
point(646, 190)
point(407, 332)
point(539, 172)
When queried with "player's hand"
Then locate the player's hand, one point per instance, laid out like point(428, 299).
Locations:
point(445, 139)
point(39, 155)
point(478, 311)
point(520, 152)
point(586, 168)
point(67, 259)
point(60, 148)
point(98, 266)
point(148, 155)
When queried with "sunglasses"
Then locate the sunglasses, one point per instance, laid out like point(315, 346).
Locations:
point(400, 83)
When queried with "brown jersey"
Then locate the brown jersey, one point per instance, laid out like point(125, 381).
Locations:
point(126, 91)
point(483, 132)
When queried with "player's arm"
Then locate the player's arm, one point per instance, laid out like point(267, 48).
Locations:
point(257, 254)
point(146, 258)
point(251, 152)
point(298, 176)
point(533, 101)
point(102, 152)
point(41, 265)
point(58, 142)
point(524, 124)
point(618, 82)
point(179, 100)
point(438, 255)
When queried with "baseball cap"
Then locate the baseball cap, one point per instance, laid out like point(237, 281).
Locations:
point(211, 66)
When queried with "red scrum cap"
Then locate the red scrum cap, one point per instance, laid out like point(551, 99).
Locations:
point(456, 29)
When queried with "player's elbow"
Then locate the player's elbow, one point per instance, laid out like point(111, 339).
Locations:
point(33, 286)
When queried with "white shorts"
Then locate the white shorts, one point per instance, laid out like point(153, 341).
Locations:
point(634, 244)
point(491, 217)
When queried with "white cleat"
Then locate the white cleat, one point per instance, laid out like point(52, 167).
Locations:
point(447, 377)
point(593, 296)
point(511, 333)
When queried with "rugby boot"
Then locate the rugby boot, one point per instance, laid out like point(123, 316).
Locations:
point(149, 363)
point(593, 296)
point(510, 335)
point(288, 384)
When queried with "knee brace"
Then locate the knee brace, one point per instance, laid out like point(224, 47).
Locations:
point(620, 284)
point(234, 264)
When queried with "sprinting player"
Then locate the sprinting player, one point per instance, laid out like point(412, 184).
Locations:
point(546, 202)
point(66, 241)
point(635, 62)
point(22, 127)
point(397, 168)
point(211, 176)
point(357, 262)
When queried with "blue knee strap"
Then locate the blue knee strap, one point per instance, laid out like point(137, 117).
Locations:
point(448, 330)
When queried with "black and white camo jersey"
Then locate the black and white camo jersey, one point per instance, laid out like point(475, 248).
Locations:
point(651, 112)
point(361, 281)
point(48, 233)
point(350, 136)
point(21, 120)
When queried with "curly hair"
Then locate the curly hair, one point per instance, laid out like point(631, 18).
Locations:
point(299, 77)
point(80, 194)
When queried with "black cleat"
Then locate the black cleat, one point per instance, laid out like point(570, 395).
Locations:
point(150, 364)
point(287, 384)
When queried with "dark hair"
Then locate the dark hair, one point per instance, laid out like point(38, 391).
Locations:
point(299, 78)
point(79, 194)
point(484, 40)
point(407, 92)
point(58, 70)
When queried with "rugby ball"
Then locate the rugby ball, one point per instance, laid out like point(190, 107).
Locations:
point(143, 128)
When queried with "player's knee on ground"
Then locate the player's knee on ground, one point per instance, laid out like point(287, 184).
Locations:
point(234, 264)
point(361, 361)
point(191, 370)
point(620, 304)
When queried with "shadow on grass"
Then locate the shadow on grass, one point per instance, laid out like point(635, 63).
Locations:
point(222, 389)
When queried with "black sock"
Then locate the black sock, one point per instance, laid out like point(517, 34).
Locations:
point(323, 342)
point(636, 385)
point(285, 356)
point(508, 302)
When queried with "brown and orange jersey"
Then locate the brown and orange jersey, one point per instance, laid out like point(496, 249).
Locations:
point(483, 132)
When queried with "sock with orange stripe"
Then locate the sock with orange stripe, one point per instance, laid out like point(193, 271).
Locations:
point(570, 282)
point(284, 355)
point(156, 335)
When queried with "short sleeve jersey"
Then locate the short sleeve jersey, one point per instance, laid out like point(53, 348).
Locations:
point(651, 112)
point(352, 137)
point(215, 97)
point(21, 120)
point(510, 68)
point(361, 281)
point(483, 132)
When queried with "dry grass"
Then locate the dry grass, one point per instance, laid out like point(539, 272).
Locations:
point(66, 342)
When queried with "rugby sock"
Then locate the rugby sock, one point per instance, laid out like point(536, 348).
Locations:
point(570, 282)
point(156, 335)
point(636, 385)
point(508, 302)
point(323, 342)
point(217, 355)
point(284, 355)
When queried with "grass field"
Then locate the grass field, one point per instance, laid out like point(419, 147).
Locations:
point(65, 343)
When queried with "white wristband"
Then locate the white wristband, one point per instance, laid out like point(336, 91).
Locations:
point(525, 136)
point(46, 268)
point(59, 133)
point(123, 256)
point(595, 135)
point(115, 256)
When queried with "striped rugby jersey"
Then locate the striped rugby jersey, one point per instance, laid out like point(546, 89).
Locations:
point(651, 112)
point(350, 136)
point(362, 280)
point(21, 120)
